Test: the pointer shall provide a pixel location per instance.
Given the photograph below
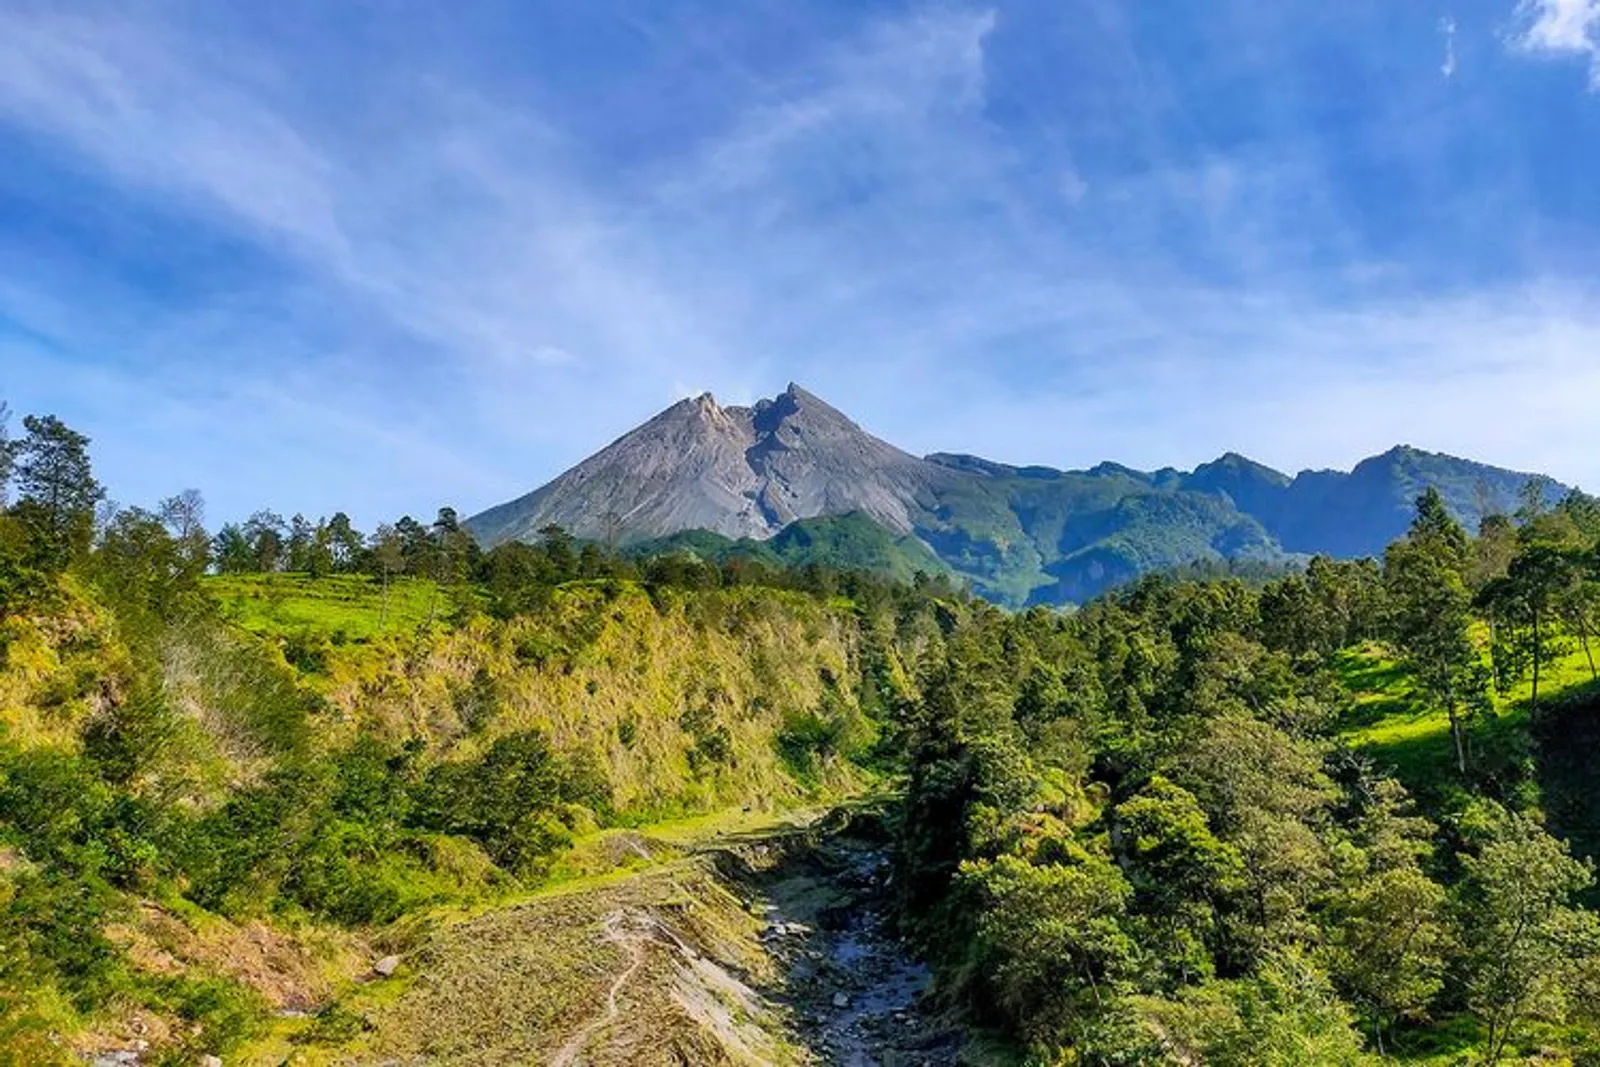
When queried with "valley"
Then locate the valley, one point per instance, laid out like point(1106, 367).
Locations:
point(328, 798)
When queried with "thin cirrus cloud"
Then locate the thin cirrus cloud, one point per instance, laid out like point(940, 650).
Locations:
point(375, 264)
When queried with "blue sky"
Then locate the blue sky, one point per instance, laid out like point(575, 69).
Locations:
point(382, 256)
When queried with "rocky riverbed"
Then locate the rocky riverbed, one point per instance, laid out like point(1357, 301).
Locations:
point(857, 995)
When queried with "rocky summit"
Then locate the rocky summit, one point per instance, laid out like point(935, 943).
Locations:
point(793, 480)
point(736, 471)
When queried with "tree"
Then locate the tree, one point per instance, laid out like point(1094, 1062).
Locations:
point(1181, 873)
point(1578, 602)
point(388, 555)
point(231, 549)
point(1263, 792)
point(1285, 1015)
point(185, 518)
point(6, 452)
point(1492, 551)
point(1525, 941)
point(1541, 578)
point(561, 550)
point(1430, 616)
point(265, 532)
point(1533, 499)
point(1049, 943)
point(1387, 934)
point(457, 551)
point(143, 565)
point(416, 545)
point(57, 489)
point(1435, 526)
point(302, 546)
point(345, 543)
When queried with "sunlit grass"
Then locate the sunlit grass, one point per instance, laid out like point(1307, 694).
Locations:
point(1391, 722)
point(348, 606)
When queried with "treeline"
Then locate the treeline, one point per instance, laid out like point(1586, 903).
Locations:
point(515, 574)
point(1131, 834)
point(62, 516)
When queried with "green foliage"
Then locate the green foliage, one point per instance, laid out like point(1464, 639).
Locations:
point(1271, 897)
point(1285, 1015)
point(56, 491)
point(1049, 944)
point(50, 935)
point(508, 801)
point(1525, 943)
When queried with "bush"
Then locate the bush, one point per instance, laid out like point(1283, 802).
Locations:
point(50, 935)
point(506, 801)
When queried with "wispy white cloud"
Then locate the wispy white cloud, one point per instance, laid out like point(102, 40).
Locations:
point(1447, 29)
point(469, 300)
point(1568, 28)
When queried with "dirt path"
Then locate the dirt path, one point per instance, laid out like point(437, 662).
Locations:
point(635, 933)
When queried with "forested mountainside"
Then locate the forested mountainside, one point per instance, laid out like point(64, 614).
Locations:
point(250, 780)
point(1020, 535)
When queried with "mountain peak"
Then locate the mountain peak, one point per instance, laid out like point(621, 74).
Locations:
point(738, 471)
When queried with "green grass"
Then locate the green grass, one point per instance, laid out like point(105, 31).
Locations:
point(345, 605)
point(1390, 722)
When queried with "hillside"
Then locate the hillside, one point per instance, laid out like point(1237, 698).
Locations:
point(852, 541)
point(205, 820)
point(1020, 535)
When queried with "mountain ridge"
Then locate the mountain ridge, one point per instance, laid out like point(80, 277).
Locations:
point(1019, 534)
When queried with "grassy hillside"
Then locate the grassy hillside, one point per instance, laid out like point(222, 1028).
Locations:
point(338, 606)
point(220, 816)
point(838, 542)
point(1391, 723)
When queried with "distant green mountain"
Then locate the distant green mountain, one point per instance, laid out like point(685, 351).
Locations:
point(843, 542)
point(792, 481)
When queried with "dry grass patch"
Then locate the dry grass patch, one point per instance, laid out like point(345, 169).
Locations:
point(664, 967)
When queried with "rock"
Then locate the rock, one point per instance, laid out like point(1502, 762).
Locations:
point(386, 966)
point(841, 1000)
point(210, 1061)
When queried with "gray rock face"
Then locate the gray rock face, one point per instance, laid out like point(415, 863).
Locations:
point(738, 471)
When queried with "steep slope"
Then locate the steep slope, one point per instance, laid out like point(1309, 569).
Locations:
point(737, 471)
point(1357, 513)
point(1254, 488)
point(685, 469)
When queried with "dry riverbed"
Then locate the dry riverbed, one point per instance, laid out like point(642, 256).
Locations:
point(770, 947)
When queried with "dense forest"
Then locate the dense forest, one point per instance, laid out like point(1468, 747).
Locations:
point(1145, 828)
point(1330, 817)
